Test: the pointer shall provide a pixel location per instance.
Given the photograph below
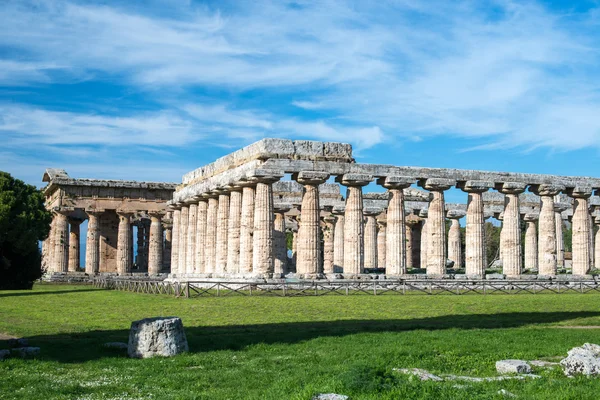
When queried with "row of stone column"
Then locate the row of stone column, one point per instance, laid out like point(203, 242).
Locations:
point(61, 251)
point(233, 230)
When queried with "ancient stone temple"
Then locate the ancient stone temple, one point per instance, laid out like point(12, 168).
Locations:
point(112, 208)
point(233, 218)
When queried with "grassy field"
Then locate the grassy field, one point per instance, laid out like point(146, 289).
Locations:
point(293, 348)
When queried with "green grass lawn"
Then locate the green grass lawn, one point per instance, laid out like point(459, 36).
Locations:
point(293, 348)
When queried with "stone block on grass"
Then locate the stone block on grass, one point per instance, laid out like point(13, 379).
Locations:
point(161, 336)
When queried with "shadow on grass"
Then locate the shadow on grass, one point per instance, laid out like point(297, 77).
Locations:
point(18, 293)
point(87, 346)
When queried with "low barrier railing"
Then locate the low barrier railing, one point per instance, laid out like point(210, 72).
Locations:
point(372, 287)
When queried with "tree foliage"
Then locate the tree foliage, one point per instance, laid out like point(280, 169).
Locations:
point(24, 221)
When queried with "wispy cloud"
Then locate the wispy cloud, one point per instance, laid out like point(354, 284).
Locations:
point(512, 74)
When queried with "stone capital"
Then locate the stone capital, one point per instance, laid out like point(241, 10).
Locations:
point(75, 221)
point(511, 187)
point(395, 182)
point(354, 179)
point(263, 175)
point(423, 213)
point(547, 189)
point(597, 220)
point(63, 210)
point(281, 208)
point(95, 212)
point(531, 217)
point(372, 211)
point(455, 214)
point(191, 200)
point(156, 213)
point(475, 186)
point(338, 210)
point(560, 207)
point(436, 184)
point(580, 192)
point(174, 206)
point(310, 177)
point(124, 214)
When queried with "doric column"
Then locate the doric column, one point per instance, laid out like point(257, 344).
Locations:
point(74, 243)
point(591, 237)
point(124, 243)
point(139, 260)
point(145, 223)
point(61, 241)
point(413, 241)
point(547, 228)
point(262, 254)
point(308, 261)
point(294, 247)
point(531, 251)
point(190, 254)
point(381, 244)
point(280, 242)
point(338, 239)
point(328, 244)
point(353, 222)
point(424, 239)
point(581, 229)
point(155, 245)
point(370, 251)
point(48, 249)
point(454, 245)
point(233, 230)
point(200, 261)
point(436, 225)
point(597, 242)
point(510, 235)
point(247, 228)
point(168, 240)
point(210, 255)
point(92, 244)
point(175, 238)
point(184, 221)
point(560, 245)
point(222, 226)
point(396, 227)
point(475, 257)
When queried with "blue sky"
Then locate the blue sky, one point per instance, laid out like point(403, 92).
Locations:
point(150, 91)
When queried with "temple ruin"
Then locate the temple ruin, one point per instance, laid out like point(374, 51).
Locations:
point(232, 219)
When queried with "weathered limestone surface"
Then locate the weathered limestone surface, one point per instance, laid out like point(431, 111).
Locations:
point(200, 261)
point(338, 241)
point(162, 336)
point(74, 239)
point(584, 360)
point(396, 226)
point(92, 246)
point(233, 238)
point(370, 250)
point(381, 244)
point(247, 229)
point(190, 255)
point(512, 367)
point(262, 254)
point(475, 254)
point(510, 235)
point(183, 238)
point(222, 226)
point(597, 243)
point(424, 240)
point(211, 235)
point(581, 230)
point(436, 225)
point(155, 255)
point(454, 242)
point(547, 259)
point(61, 241)
point(124, 243)
point(328, 245)
point(280, 243)
point(531, 250)
point(560, 245)
point(308, 259)
point(175, 237)
point(353, 223)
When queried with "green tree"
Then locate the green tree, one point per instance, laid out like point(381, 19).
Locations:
point(24, 221)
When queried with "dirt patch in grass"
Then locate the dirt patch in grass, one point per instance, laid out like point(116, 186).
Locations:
point(6, 337)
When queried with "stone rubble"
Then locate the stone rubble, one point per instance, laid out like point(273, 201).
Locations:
point(584, 360)
point(160, 336)
point(512, 367)
point(330, 396)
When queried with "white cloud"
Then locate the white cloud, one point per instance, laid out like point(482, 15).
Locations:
point(511, 73)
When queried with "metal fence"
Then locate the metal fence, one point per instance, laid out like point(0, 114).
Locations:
point(347, 288)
